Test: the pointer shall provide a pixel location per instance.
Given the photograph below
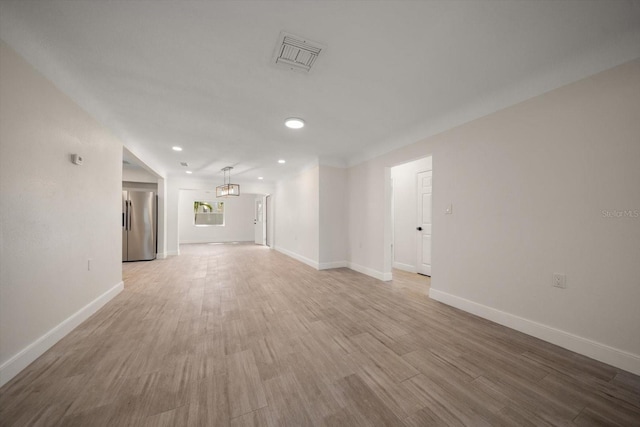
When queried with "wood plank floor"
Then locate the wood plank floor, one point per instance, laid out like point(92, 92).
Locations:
point(241, 335)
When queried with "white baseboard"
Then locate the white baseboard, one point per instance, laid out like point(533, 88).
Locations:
point(336, 264)
point(595, 350)
point(161, 255)
point(405, 267)
point(202, 242)
point(298, 257)
point(385, 277)
point(330, 265)
point(26, 356)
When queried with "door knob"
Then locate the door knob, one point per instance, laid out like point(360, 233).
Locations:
point(419, 228)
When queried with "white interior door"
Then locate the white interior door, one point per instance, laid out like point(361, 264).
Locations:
point(424, 198)
point(259, 222)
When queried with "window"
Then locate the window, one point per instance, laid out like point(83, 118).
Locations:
point(208, 213)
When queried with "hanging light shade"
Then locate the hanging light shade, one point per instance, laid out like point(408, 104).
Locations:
point(227, 189)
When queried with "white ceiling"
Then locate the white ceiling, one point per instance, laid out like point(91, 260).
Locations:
point(198, 73)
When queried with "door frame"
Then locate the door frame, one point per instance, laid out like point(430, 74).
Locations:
point(268, 238)
point(259, 200)
point(388, 224)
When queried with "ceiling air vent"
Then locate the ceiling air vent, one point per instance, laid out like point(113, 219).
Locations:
point(185, 164)
point(296, 53)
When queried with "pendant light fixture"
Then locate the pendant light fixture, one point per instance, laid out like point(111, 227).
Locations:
point(227, 189)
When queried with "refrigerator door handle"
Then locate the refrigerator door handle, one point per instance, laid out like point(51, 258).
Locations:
point(126, 215)
point(129, 209)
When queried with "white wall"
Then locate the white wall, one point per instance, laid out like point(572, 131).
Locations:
point(172, 187)
point(311, 217)
point(238, 217)
point(369, 225)
point(162, 218)
point(529, 186)
point(54, 215)
point(138, 175)
point(333, 243)
point(297, 221)
point(405, 212)
point(139, 186)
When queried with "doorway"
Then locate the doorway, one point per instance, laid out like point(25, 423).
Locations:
point(411, 216)
point(259, 221)
point(137, 176)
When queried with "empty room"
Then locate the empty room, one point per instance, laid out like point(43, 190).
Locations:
point(319, 213)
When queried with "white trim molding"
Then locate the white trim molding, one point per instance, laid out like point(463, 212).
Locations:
point(302, 259)
point(204, 242)
point(595, 350)
point(310, 262)
point(385, 277)
point(405, 267)
point(333, 264)
point(26, 356)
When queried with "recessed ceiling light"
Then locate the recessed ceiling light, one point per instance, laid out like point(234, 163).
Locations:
point(282, 161)
point(294, 123)
point(189, 172)
point(176, 148)
point(260, 177)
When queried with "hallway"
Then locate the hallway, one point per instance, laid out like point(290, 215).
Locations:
point(243, 335)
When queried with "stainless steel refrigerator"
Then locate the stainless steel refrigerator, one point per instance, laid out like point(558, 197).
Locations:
point(138, 225)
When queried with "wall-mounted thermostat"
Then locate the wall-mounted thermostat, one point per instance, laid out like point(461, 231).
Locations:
point(77, 159)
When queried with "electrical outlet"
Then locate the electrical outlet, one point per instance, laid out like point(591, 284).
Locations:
point(559, 280)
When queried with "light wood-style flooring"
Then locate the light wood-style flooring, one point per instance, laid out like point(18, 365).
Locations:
point(241, 335)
